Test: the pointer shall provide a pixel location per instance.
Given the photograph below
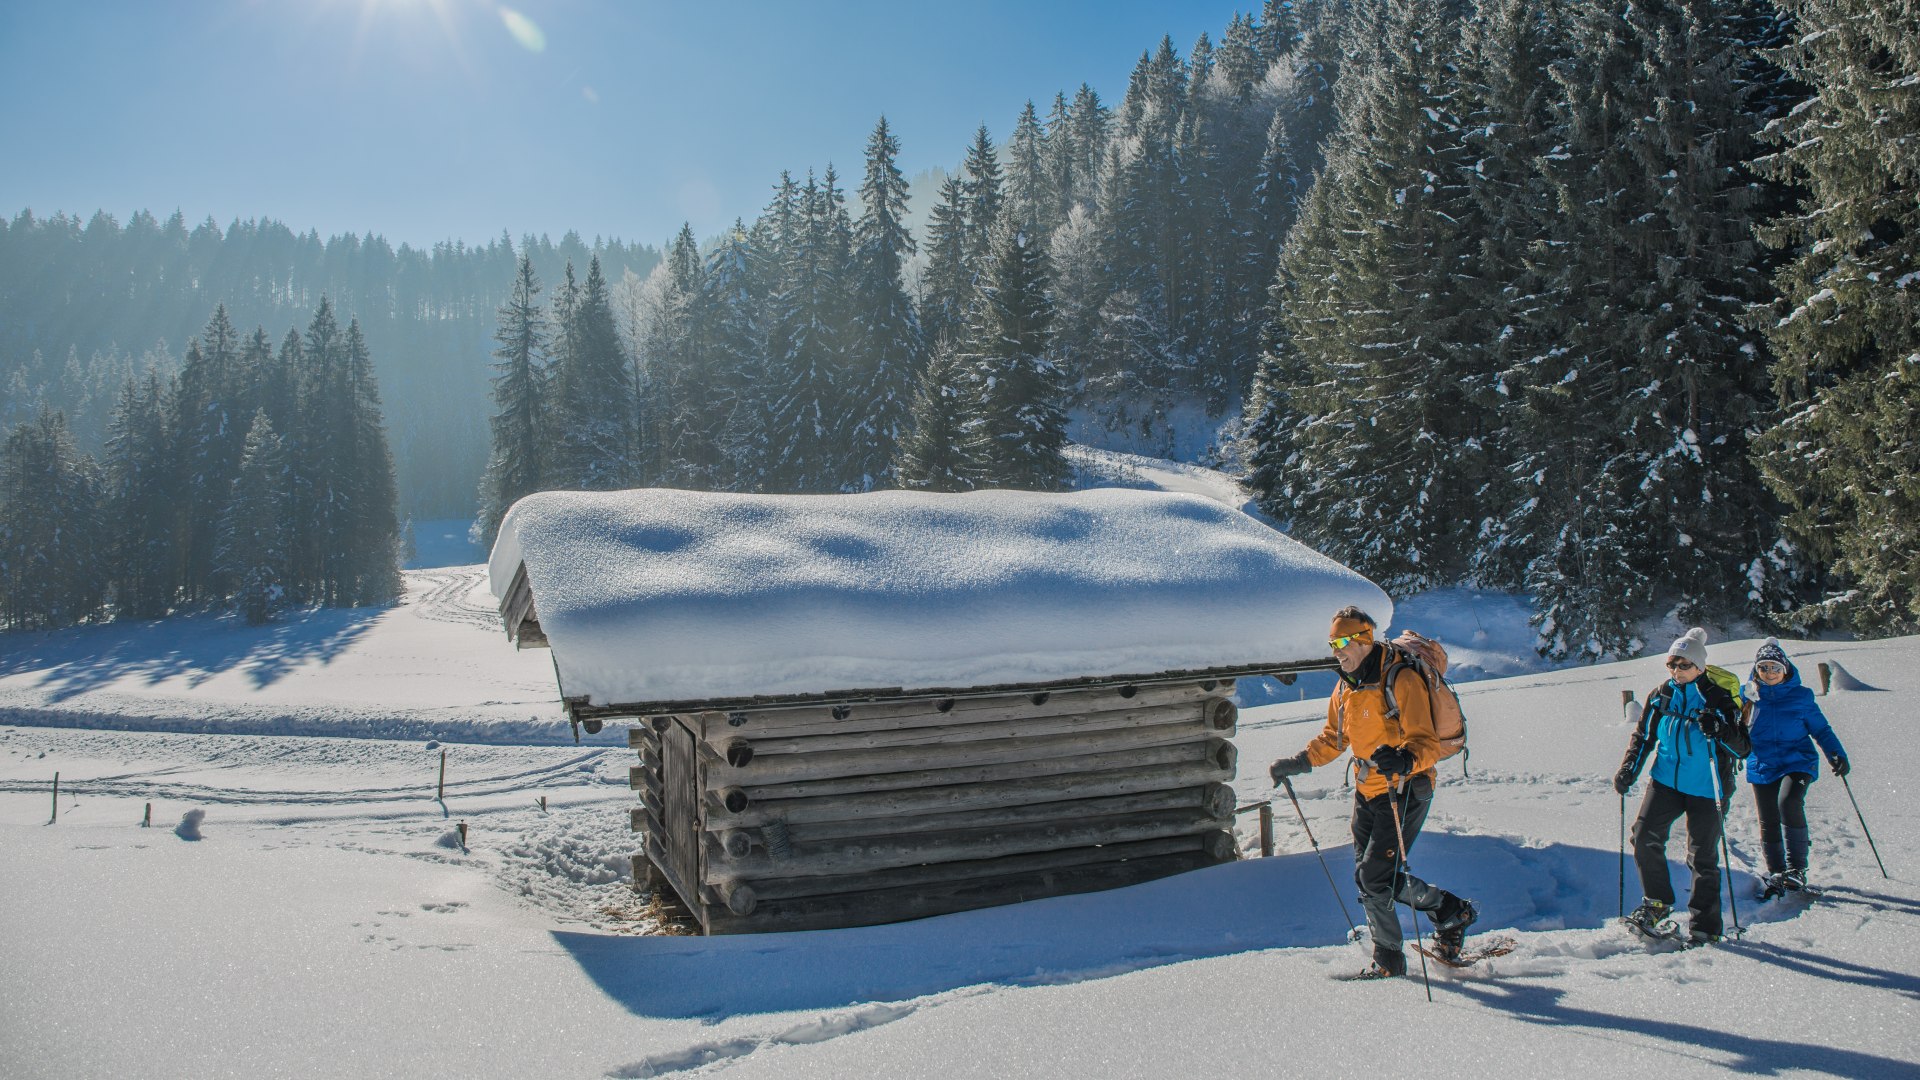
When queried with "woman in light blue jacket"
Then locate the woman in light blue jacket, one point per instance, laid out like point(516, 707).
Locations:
point(1786, 724)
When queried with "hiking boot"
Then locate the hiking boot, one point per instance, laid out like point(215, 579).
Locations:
point(1697, 936)
point(1650, 916)
point(1450, 924)
point(1771, 886)
point(1794, 880)
point(1387, 964)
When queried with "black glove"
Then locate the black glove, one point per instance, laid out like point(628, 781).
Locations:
point(1839, 763)
point(1393, 760)
point(1623, 780)
point(1296, 765)
point(1710, 724)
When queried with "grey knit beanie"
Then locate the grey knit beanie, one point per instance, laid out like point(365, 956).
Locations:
point(1692, 647)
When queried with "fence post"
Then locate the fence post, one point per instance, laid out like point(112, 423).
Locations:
point(56, 799)
point(462, 826)
point(1266, 830)
point(1826, 678)
point(440, 791)
point(147, 822)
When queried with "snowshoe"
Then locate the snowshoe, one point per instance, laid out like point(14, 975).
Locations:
point(1469, 955)
point(1697, 938)
point(1652, 920)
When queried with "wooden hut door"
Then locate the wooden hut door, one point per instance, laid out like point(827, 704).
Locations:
point(680, 791)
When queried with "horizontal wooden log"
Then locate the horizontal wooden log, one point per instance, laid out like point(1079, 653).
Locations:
point(794, 768)
point(1216, 800)
point(954, 845)
point(738, 898)
point(809, 721)
point(1213, 710)
point(637, 819)
point(642, 735)
point(896, 905)
point(734, 809)
point(1218, 751)
point(935, 875)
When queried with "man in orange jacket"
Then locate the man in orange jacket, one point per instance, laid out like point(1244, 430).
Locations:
point(1393, 759)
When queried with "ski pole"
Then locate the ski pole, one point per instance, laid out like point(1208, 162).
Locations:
point(1623, 855)
point(1722, 806)
point(1863, 824)
point(1353, 932)
point(1401, 872)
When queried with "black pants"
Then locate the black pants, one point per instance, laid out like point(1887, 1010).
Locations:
point(1664, 806)
point(1783, 802)
point(1376, 858)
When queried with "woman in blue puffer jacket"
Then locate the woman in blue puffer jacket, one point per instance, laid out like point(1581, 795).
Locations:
point(1786, 723)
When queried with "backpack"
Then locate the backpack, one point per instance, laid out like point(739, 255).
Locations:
point(1428, 660)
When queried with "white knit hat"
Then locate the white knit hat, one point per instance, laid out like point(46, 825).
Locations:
point(1691, 648)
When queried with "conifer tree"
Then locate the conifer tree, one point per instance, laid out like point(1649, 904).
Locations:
point(737, 379)
point(934, 454)
point(1633, 455)
point(808, 396)
point(983, 199)
point(1030, 200)
point(141, 502)
point(253, 551)
point(1844, 453)
point(51, 568)
point(371, 533)
point(516, 467)
point(1017, 433)
point(947, 286)
point(593, 393)
point(679, 430)
point(207, 439)
point(882, 356)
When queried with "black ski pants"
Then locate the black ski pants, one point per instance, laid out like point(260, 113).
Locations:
point(1781, 802)
point(1376, 860)
point(1662, 807)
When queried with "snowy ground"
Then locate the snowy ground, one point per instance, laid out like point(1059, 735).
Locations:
point(328, 921)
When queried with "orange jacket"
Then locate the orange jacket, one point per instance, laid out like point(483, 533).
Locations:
point(1357, 720)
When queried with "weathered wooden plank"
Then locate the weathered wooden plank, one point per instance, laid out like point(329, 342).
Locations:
point(935, 875)
point(886, 716)
point(962, 797)
point(1219, 713)
point(1216, 750)
point(952, 845)
point(1216, 800)
point(794, 768)
point(914, 902)
point(689, 898)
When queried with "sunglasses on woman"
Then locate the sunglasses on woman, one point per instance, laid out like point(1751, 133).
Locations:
point(1770, 667)
point(1677, 664)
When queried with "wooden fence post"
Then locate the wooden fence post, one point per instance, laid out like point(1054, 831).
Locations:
point(56, 799)
point(1266, 830)
point(440, 792)
point(1826, 678)
point(147, 822)
point(462, 826)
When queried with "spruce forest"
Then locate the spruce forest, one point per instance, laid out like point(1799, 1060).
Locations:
point(1613, 304)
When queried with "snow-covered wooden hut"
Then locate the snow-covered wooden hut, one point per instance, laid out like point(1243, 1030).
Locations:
point(864, 708)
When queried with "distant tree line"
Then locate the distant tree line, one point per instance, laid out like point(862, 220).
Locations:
point(1614, 303)
point(86, 302)
point(257, 478)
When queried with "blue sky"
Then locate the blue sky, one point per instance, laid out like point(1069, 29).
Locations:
point(425, 120)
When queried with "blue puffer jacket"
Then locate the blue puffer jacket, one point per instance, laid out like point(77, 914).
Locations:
point(1670, 735)
point(1786, 723)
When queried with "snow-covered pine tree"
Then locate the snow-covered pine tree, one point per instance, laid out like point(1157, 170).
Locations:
point(1506, 108)
point(1633, 458)
point(947, 285)
point(371, 523)
point(882, 358)
point(207, 441)
point(1030, 199)
point(593, 393)
point(1017, 433)
point(52, 572)
point(736, 375)
point(933, 453)
point(983, 200)
point(807, 391)
point(680, 433)
point(141, 502)
point(253, 530)
point(1388, 457)
point(1845, 454)
point(515, 466)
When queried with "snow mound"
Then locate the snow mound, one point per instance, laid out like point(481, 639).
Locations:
point(660, 595)
point(189, 827)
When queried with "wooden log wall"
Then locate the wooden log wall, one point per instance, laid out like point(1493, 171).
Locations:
point(829, 815)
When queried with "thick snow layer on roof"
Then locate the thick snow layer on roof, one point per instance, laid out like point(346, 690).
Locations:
point(660, 595)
